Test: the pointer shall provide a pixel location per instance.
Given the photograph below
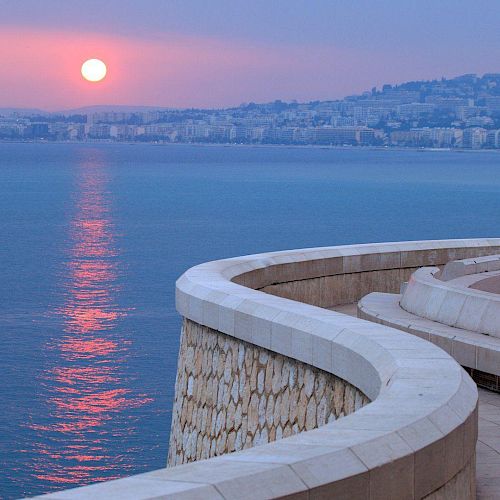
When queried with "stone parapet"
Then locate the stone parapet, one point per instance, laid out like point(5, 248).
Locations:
point(415, 439)
point(232, 395)
point(452, 302)
point(464, 267)
point(479, 353)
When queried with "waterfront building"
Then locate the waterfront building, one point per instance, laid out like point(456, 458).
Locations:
point(493, 139)
point(446, 137)
point(415, 109)
point(474, 137)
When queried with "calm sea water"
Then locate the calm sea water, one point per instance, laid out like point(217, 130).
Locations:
point(92, 239)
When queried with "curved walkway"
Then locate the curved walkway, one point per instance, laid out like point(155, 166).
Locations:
point(470, 349)
point(488, 445)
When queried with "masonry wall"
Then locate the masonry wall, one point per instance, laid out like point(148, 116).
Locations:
point(344, 280)
point(330, 291)
point(232, 395)
point(426, 447)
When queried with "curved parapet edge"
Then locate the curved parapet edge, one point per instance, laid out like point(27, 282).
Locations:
point(415, 439)
point(451, 304)
point(477, 352)
point(464, 267)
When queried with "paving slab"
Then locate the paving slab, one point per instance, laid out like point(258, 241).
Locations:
point(488, 446)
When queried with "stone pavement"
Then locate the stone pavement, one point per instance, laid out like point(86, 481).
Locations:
point(490, 284)
point(488, 446)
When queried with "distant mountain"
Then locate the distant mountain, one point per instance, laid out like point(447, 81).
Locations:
point(102, 108)
point(468, 86)
point(107, 108)
point(22, 112)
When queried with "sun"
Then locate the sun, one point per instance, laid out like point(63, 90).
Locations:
point(93, 70)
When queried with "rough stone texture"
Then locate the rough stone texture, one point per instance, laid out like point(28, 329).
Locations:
point(232, 395)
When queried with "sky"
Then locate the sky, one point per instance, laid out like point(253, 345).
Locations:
point(219, 53)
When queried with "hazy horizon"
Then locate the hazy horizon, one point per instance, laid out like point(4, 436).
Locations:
point(193, 54)
point(139, 107)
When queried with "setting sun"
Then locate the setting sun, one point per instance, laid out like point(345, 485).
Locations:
point(93, 70)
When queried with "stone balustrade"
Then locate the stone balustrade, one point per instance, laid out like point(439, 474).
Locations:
point(409, 411)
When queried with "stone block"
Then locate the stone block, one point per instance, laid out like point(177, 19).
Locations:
point(141, 487)
point(488, 359)
point(490, 320)
point(329, 468)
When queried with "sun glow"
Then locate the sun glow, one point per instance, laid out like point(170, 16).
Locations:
point(94, 70)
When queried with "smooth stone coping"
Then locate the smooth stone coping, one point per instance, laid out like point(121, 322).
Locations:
point(452, 302)
point(418, 432)
point(468, 348)
point(459, 268)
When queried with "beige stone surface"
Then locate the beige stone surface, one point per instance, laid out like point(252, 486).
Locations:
point(470, 349)
point(464, 267)
point(331, 277)
point(232, 395)
point(491, 284)
point(463, 302)
point(412, 384)
point(487, 471)
point(488, 446)
point(461, 487)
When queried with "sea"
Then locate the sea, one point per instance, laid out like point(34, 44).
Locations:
point(94, 236)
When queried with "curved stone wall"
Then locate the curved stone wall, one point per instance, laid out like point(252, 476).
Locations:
point(417, 436)
point(452, 302)
point(464, 267)
point(343, 275)
point(232, 395)
point(478, 353)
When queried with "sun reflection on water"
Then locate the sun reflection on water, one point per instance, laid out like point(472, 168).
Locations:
point(85, 386)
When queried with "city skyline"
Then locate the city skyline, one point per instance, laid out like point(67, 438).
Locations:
point(462, 112)
point(196, 55)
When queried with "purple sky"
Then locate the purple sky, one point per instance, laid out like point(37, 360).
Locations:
point(220, 52)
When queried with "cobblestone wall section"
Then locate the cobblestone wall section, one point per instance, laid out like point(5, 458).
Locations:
point(232, 395)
